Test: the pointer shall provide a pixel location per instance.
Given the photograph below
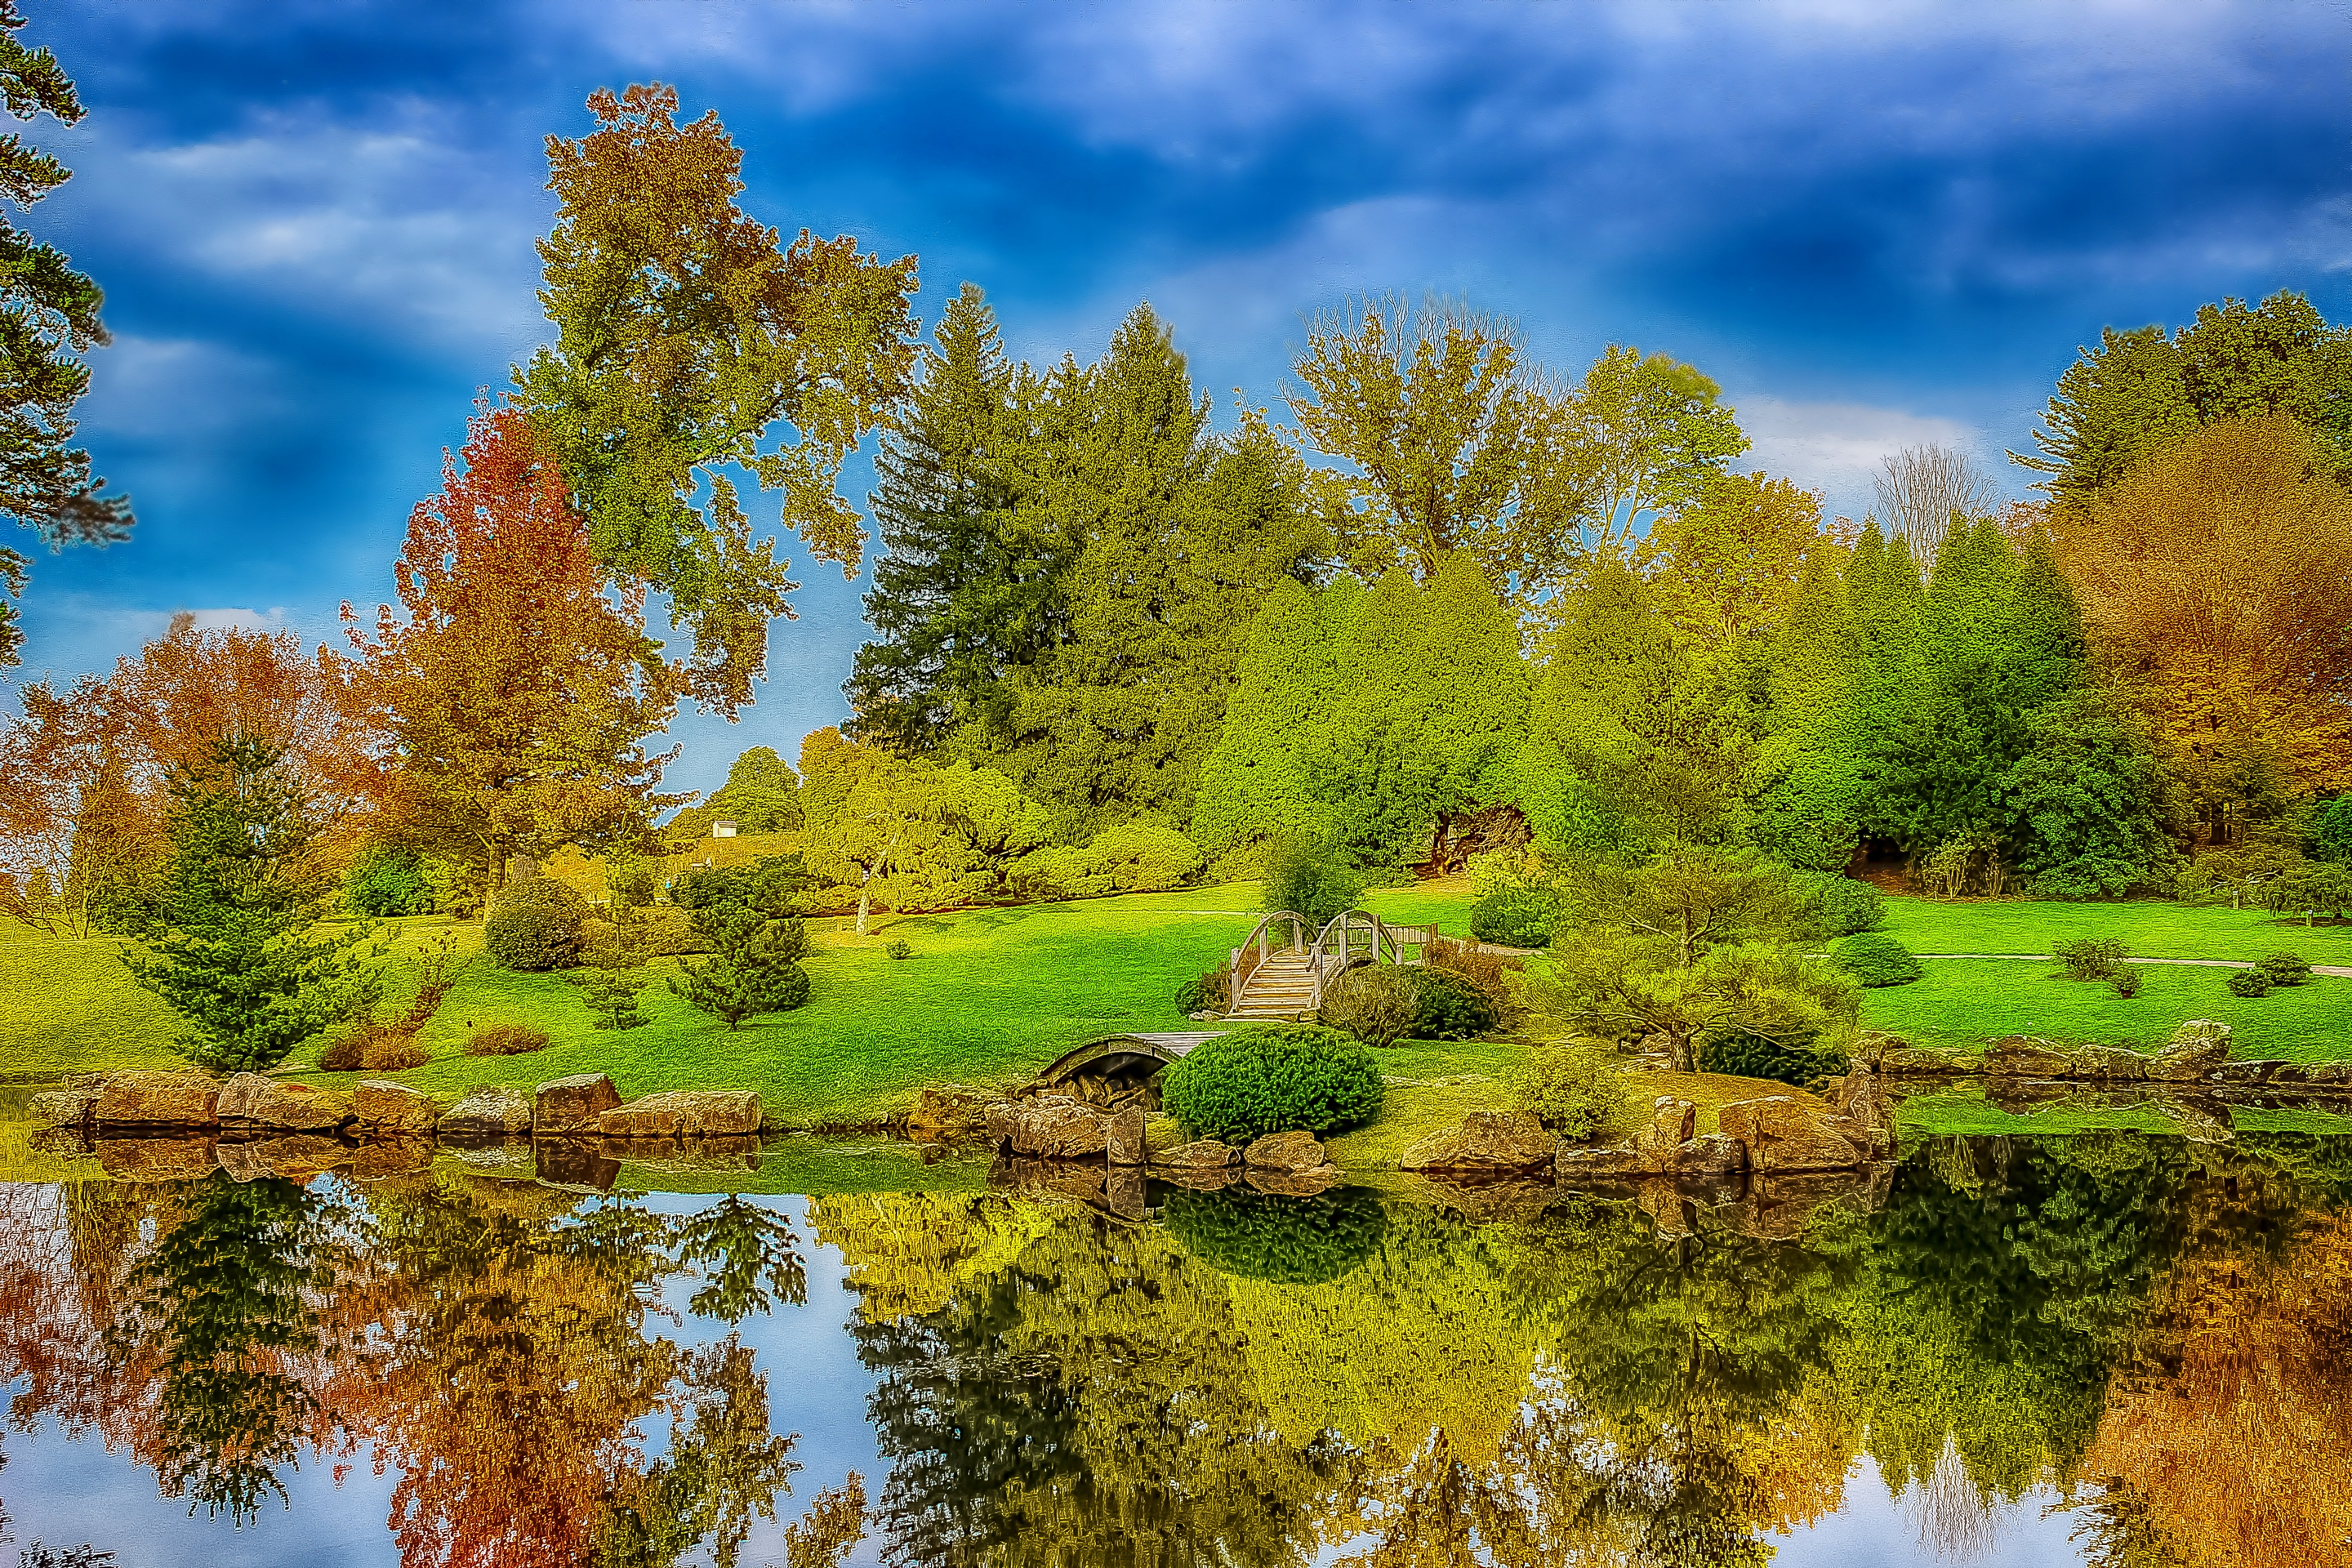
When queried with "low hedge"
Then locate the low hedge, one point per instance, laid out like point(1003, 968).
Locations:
point(1515, 917)
point(1290, 1241)
point(535, 925)
point(1453, 1007)
point(1273, 1078)
point(1744, 1053)
point(1875, 958)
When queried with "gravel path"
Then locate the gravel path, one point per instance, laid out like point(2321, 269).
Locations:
point(2341, 972)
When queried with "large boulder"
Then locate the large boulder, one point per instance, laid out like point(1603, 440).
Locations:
point(1496, 1141)
point(2109, 1064)
point(685, 1113)
point(388, 1108)
point(63, 1107)
point(1785, 1133)
point(2197, 1049)
point(1201, 1155)
point(2022, 1056)
point(1665, 1146)
point(249, 1100)
point(948, 1112)
point(159, 1100)
point(1912, 1062)
point(1866, 1114)
point(572, 1106)
point(1283, 1151)
point(488, 1111)
point(1057, 1127)
point(1123, 1134)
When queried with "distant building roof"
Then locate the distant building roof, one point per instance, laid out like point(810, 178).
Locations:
point(723, 828)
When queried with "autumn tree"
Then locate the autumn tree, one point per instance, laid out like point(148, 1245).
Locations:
point(49, 319)
point(2214, 578)
point(515, 690)
point(687, 333)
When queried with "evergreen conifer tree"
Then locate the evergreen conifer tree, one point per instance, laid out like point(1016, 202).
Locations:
point(1259, 782)
point(228, 947)
point(755, 967)
point(1809, 803)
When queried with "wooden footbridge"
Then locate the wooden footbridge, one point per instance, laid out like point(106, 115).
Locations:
point(1277, 972)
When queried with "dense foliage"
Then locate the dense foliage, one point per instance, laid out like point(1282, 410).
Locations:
point(1836, 906)
point(1273, 1078)
point(1745, 1053)
point(534, 924)
point(1873, 958)
point(1311, 879)
point(1571, 1089)
point(385, 882)
point(1515, 917)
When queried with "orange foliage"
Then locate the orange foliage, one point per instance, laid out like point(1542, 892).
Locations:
point(2236, 1420)
point(2218, 578)
point(513, 694)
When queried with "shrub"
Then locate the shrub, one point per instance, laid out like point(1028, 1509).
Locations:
point(1453, 1007)
point(898, 949)
point(1571, 1088)
point(2092, 958)
point(1290, 1241)
point(2248, 983)
point(1500, 977)
point(1378, 1004)
point(1515, 917)
point(386, 882)
point(535, 925)
point(1834, 906)
point(1273, 1078)
point(505, 1040)
point(2284, 969)
point(756, 968)
point(1875, 958)
point(2127, 982)
point(1745, 1053)
point(1209, 993)
point(1317, 882)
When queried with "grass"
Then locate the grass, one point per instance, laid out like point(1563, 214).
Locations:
point(2149, 928)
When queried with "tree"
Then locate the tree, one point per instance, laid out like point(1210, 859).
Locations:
point(2214, 578)
point(1691, 899)
point(957, 601)
point(1264, 780)
point(762, 794)
point(230, 950)
point(2085, 801)
point(755, 967)
point(1925, 490)
point(2140, 393)
point(1429, 407)
point(1636, 985)
point(1808, 804)
point(915, 836)
point(685, 332)
point(1641, 434)
point(513, 695)
point(49, 319)
point(1724, 568)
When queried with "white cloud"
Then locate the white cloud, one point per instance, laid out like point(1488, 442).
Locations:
point(1836, 447)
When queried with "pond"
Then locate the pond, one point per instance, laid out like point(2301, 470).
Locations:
point(2114, 1349)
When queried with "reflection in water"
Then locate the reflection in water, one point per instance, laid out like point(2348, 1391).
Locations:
point(2153, 1332)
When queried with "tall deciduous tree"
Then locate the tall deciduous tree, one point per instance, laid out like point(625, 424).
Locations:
point(515, 690)
point(1638, 435)
point(2141, 392)
point(2217, 576)
point(687, 333)
point(49, 319)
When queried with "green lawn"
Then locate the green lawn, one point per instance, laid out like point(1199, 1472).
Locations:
point(1963, 1001)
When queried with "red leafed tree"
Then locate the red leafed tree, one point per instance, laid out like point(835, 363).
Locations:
point(513, 690)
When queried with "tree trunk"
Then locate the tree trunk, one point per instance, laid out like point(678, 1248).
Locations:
point(1678, 1053)
point(865, 900)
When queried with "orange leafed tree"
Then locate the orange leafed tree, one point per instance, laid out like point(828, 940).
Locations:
point(513, 690)
point(2217, 576)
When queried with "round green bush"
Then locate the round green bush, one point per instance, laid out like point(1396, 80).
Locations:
point(1272, 1077)
point(535, 925)
point(1744, 1053)
point(1515, 917)
point(1571, 1088)
point(1291, 1241)
point(1837, 905)
point(387, 882)
point(1875, 959)
point(2284, 969)
point(2248, 983)
point(1451, 1006)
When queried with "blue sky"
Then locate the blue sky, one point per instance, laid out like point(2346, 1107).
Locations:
point(1875, 223)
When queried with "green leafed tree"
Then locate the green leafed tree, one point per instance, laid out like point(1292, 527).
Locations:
point(2142, 390)
point(754, 966)
point(230, 947)
point(49, 319)
point(688, 331)
point(762, 794)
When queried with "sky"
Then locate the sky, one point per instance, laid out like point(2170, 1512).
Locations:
point(1875, 222)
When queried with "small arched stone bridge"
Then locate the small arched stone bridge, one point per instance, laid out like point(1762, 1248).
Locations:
point(1117, 1067)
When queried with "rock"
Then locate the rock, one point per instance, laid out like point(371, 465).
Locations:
point(159, 1100)
point(2200, 1121)
point(2257, 1072)
point(509, 1159)
point(1201, 1155)
point(1057, 1127)
point(1123, 1134)
point(1512, 1199)
point(1783, 1132)
point(383, 1107)
point(570, 1106)
point(1304, 1182)
point(63, 1107)
point(2328, 1074)
point(685, 1113)
point(943, 1114)
point(298, 1157)
point(2110, 1064)
point(1666, 1147)
point(1865, 1114)
point(1283, 1151)
point(488, 1111)
point(1715, 1159)
point(1914, 1063)
point(251, 1099)
point(2022, 1056)
point(2198, 1048)
point(1048, 1178)
point(157, 1159)
point(1488, 1141)
point(1124, 1192)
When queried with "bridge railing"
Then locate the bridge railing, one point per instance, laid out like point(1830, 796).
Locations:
point(1259, 944)
point(1354, 935)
